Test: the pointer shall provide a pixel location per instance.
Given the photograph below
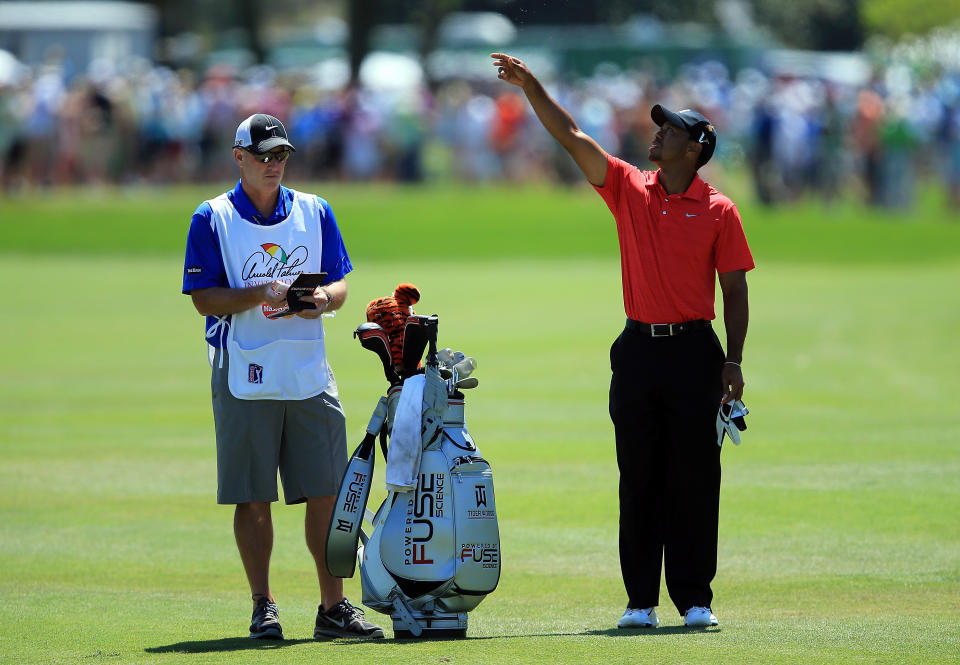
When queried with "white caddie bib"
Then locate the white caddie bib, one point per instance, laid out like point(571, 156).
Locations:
point(280, 358)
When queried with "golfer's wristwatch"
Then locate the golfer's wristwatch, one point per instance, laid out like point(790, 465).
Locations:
point(329, 302)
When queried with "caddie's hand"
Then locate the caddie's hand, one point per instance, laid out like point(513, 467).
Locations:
point(732, 378)
point(275, 294)
point(308, 313)
point(510, 69)
point(320, 298)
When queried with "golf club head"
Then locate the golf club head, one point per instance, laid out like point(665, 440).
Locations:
point(432, 324)
point(465, 367)
point(445, 357)
point(457, 357)
point(467, 383)
point(407, 295)
point(374, 338)
point(414, 342)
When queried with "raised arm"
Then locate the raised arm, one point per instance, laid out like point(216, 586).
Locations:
point(589, 156)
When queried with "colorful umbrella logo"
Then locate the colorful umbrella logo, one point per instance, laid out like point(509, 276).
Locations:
point(276, 251)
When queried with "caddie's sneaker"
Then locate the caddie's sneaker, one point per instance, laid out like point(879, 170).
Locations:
point(637, 618)
point(266, 621)
point(699, 617)
point(344, 620)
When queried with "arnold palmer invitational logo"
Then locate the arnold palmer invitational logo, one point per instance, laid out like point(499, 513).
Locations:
point(271, 261)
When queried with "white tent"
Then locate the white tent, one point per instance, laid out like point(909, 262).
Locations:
point(10, 68)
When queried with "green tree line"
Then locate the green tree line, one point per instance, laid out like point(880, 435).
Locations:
point(831, 25)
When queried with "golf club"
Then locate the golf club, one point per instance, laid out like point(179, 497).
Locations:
point(414, 342)
point(374, 338)
point(445, 357)
point(465, 367)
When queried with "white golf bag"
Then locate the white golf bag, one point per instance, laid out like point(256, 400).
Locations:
point(434, 551)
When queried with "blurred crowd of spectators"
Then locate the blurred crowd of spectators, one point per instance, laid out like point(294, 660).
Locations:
point(795, 135)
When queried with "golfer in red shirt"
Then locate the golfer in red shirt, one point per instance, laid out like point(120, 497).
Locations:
point(670, 373)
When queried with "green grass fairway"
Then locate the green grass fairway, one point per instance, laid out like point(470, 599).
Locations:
point(839, 535)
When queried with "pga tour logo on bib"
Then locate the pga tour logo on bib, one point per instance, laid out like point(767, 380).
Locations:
point(254, 373)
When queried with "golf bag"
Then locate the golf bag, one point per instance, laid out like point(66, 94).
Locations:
point(434, 550)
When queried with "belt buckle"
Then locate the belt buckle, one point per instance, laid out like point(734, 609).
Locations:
point(668, 327)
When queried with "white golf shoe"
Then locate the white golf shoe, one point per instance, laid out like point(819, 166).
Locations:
point(699, 617)
point(636, 618)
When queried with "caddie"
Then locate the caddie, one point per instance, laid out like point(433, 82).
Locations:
point(275, 401)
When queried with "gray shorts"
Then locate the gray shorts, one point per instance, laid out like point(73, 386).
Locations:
point(305, 439)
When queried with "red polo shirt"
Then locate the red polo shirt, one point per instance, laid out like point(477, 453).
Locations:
point(671, 245)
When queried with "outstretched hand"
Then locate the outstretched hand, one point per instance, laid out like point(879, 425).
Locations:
point(510, 69)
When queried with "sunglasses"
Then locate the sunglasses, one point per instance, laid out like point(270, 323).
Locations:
point(267, 157)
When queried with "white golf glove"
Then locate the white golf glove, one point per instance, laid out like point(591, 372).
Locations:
point(730, 421)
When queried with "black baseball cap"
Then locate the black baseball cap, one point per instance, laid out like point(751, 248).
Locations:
point(701, 130)
point(261, 133)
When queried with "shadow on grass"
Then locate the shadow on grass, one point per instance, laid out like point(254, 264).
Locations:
point(224, 644)
point(246, 644)
point(609, 632)
point(650, 632)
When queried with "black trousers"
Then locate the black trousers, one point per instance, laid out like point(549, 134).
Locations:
point(664, 396)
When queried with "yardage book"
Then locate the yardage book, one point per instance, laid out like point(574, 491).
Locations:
point(304, 285)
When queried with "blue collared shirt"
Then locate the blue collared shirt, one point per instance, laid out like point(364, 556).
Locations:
point(203, 264)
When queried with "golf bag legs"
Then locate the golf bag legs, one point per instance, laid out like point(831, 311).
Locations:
point(425, 623)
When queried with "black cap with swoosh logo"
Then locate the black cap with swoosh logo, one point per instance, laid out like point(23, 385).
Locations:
point(261, 133)
point(701, 130)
